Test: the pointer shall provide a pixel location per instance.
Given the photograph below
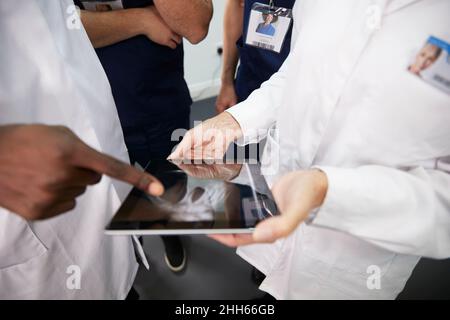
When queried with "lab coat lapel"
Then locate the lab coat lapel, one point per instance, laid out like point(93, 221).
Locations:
point(395, 5)
point(336, 69)
point(43, 81)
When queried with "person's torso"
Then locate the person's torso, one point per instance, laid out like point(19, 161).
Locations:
point(256, 64)
point(147, 79)
point(349, 101)
point(51, 75)
point(350, 91)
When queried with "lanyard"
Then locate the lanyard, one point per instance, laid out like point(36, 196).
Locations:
point(271, 4)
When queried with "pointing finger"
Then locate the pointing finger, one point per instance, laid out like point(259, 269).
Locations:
point(88, 158)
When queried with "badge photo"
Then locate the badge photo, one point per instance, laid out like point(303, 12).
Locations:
point(432, 63)
point(268, 26)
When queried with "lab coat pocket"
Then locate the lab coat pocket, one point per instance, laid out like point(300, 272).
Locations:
point(18, 243)
point(344, 253)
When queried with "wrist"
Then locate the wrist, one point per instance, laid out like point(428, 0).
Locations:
point(7, 130)
point(227, 83)
point(139, 18)
point(320, 186)
point(227, 77)
point(232, 124)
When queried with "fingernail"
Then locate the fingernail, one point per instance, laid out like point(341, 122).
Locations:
point(155, 189)
point(263, 234)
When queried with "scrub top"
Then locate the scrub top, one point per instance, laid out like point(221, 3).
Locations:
point(151, 95)
point(258, 65)
point(266, 29)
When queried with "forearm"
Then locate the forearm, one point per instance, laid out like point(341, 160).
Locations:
point(402, 211)
point(106, 28)
point(232, 26)
point(190, 19)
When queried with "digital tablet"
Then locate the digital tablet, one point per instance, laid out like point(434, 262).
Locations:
point(198, 199)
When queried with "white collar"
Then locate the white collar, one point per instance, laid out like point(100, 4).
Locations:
point(395, 5)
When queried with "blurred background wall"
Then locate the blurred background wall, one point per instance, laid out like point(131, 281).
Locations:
point(202, 62)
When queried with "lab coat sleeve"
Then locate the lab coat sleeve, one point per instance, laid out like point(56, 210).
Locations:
point(403, 211)
point(258, 113)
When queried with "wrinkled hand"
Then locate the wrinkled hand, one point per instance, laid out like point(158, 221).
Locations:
point(225, 172)
point(43, 169)
point(209, 140)
point(154, 27)
point(296, 194)
point(227, 97)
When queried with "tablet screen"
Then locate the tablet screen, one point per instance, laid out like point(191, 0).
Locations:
point(198, 198)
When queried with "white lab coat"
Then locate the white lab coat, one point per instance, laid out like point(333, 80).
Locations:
point(344, 102)
point(50, 74)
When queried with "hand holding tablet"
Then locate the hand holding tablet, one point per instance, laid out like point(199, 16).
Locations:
point(297, 194)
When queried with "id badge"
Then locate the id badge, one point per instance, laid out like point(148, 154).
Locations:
point(102, 6)
point(432, 63)
point(268, 26)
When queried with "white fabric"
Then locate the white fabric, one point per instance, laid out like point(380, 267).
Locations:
point(50, 74)
point(344, 102)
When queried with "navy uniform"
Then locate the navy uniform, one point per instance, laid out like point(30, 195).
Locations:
point(152, 99)
point(151, 95)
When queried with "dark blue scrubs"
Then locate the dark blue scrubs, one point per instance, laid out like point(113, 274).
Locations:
point(258, 65)
point(151, 95)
